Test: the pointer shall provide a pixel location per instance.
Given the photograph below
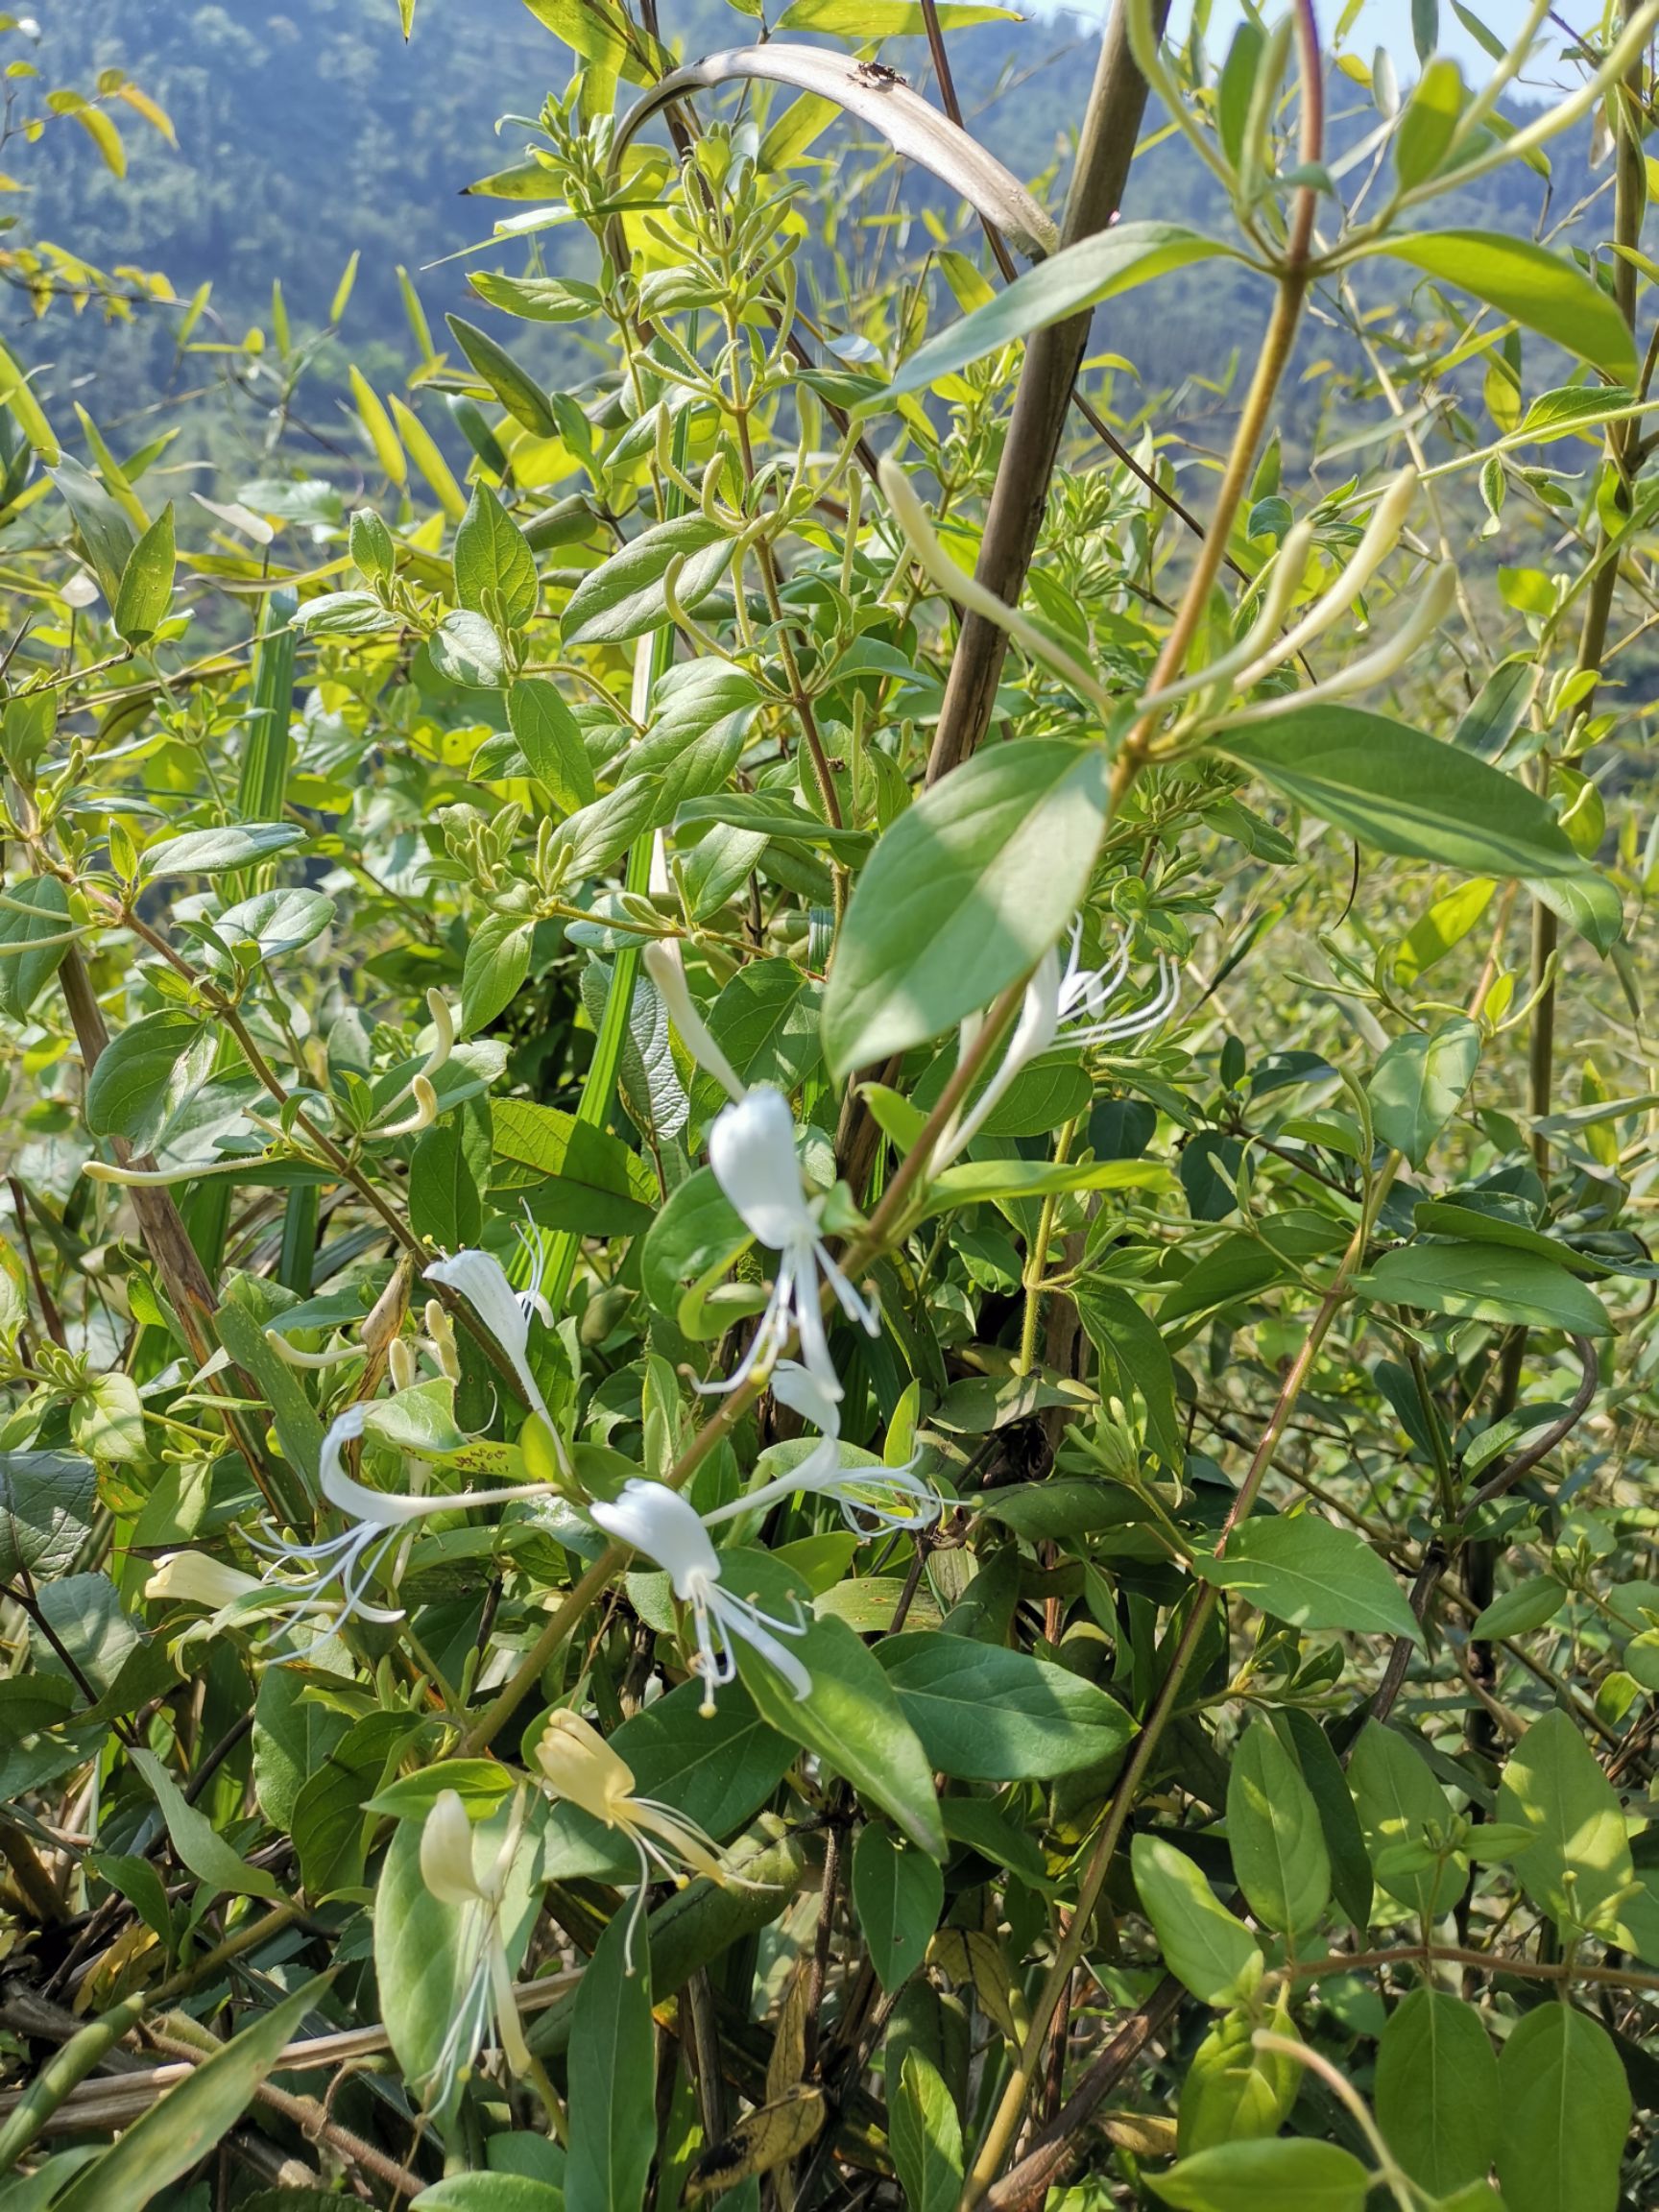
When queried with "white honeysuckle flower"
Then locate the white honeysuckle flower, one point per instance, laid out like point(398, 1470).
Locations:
point(198, 1579)
point(450, 1870)
point(870, 1497)
point(752, 1151)
point(577, 1764)
point(482, 1281)
point(659, 1522)
point(1061, 1006)
point(375, 1518)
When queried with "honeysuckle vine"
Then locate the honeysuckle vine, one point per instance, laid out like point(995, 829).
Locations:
point(779, 1282)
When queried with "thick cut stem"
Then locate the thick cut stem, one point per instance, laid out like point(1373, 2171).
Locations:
point(1053, 358)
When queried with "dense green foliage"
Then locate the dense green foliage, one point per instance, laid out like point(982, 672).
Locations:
point(817, 1391)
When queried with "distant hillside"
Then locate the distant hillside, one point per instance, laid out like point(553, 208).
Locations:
point(308, 130)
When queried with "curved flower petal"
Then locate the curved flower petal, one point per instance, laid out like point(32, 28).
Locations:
point(480, 1278)
point(446, 1852)
point(752, 1151)
point(658, 1522)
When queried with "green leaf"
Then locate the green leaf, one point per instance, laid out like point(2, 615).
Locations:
point(1398, 1801)
point(1424, 137)
point(294, 1731)
point(979, 1182)
point(1447, 923)
point(1273, 1833)
point(1481, 1282)
point(293, 1416)
point(132, 1091)
point(1565, 2114)
point(624, 596)
point(515, 387)
point(1588, 904)
point(213, 852)
point(481, 1784)
point(1538, 288)
point(34, 908)
point(1291, 2176)
point(47, 1501)
point(962, 896)
point(1402, 792)
point(107, 1419)
point(697, 1235)
point(612, 2078)
point(774, 816)
point(147, 582)
point(487, 2193)
point(853, 1719)
point(497, 962)
point(103, 526)
point(1437, 2090)
point(186, 2123)
point(446, 1175)
point(550, 740)
point(1232, 2092)
point(765, 1020)
point(593, 840)
point(989, 1714)
point(1306, 1571)
point(1119, 1330)
point(1579, 1864)
point(1419, 1083)
point(494, 568)
point(897, 1894)
point(466, 650)
point(570, 1173)
point(198, 1843)
point(1322, 1771)
point(1203, 1945)
point(863, 19)
point(330, 1824)
point(1517, 1612)
point(1097, 268)
point(31, 415)
point(276, 921)
point(924, 2135)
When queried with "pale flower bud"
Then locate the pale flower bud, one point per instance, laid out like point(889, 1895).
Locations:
point(199, 1580)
